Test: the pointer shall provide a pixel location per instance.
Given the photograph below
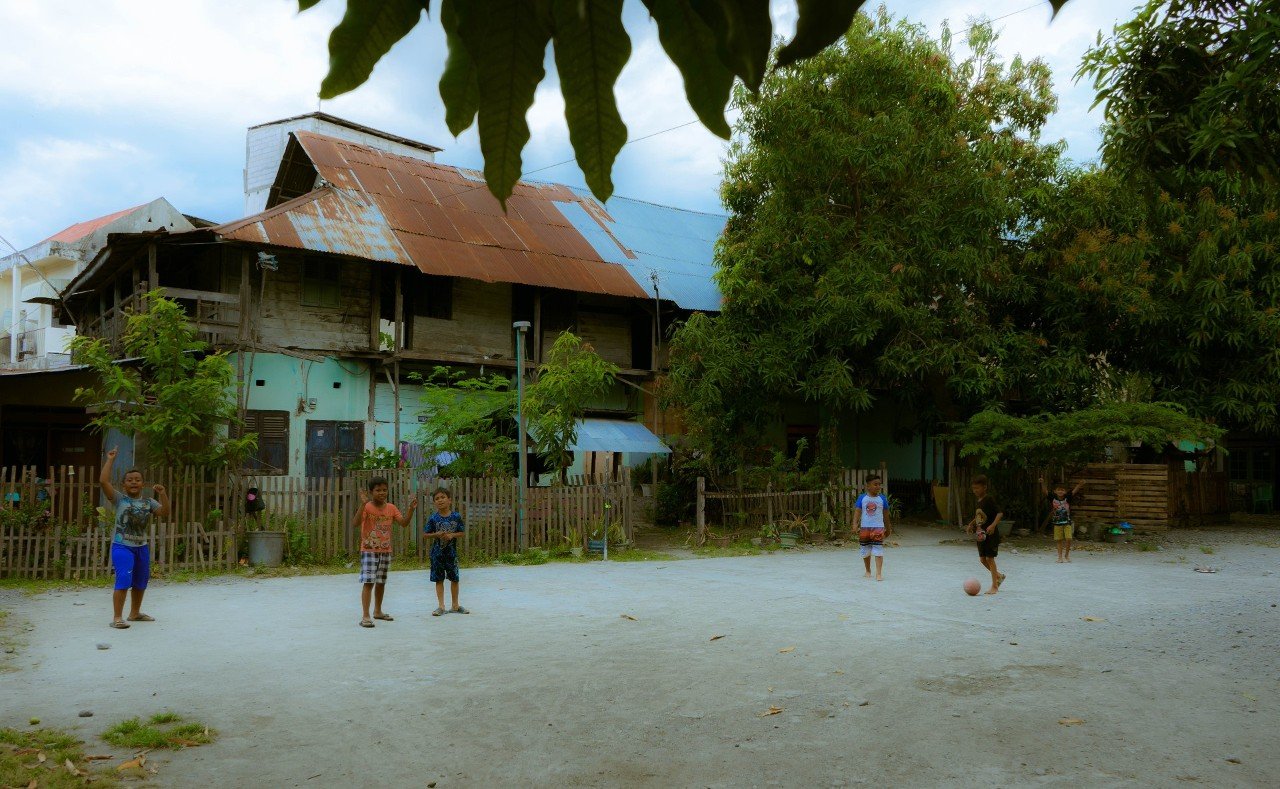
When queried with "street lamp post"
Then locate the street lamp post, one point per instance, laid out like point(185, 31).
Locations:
point(521, 327)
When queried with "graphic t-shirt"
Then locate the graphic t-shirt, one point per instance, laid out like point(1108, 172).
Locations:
point(985, 513)
point(375, 527)
point(872, 510)
point(1060, 508)
point(132, 517)
point(443, 523)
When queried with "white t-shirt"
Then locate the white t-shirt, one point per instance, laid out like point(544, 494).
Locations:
point(872, 510)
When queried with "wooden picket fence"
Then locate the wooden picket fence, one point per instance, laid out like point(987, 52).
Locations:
point(51, 527)
point(745, 512)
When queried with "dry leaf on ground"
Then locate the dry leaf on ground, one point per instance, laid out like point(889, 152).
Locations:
point(97, 758)
point(716, 638)
point(843, 617)
point(773, 710)
point(34, 784)
point(1093, 619)
point(629, 616)
point(787, 649)
point(40, 757)
point(133, 764)
point(1071, 721)
point(837, 671)
point(71, 768)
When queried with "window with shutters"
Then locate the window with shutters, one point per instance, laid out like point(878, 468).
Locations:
point(321, 283)
point(272, 427)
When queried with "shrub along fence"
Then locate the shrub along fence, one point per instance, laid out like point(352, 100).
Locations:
point(51, 525)
point(746, 512)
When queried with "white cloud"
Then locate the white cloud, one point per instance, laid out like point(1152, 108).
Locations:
point(114, 102)
point(42, 179)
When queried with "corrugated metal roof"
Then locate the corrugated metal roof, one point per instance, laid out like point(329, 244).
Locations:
point(647, 239)
point(616, 435)
point(381, 206)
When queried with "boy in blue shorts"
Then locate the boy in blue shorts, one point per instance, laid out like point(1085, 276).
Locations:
point(871, 522)
point(130, 554)
point(445, 527)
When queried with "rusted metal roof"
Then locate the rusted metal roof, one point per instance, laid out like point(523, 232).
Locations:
point(381, 206)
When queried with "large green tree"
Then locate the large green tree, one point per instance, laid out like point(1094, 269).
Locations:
point(882, 194)
point(496, 48)
point(173, 393)
point(1166, 263)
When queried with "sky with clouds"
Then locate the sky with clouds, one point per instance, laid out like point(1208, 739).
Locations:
point(110, 104)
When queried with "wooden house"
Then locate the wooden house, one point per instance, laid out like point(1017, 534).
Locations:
point(368, 265)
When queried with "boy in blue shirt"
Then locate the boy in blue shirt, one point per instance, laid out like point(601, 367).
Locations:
point(130, 554)
point(445, 527)
point(871, 522)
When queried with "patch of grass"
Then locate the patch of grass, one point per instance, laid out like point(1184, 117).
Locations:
point(740, 548)
point(20, 764)
point(1144, 547)
point(639, 555)
point(1205, 549)
point(531, 556)
point(165, 730)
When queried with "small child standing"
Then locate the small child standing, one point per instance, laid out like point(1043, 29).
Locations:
point(374, 519)
point(1060, 516)
point(986, 523)
point(445, 527)
point(871, 522)
point(130, 554)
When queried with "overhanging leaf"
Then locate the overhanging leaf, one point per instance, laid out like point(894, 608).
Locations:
point(820, 23)
point(506, 40)
point(367, 31)
point(458, 87)
point(744, 35)
point(303, 5)
point(591, 47)
point(691, 45)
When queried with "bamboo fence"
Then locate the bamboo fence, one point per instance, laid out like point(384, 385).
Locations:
point(52, 528)
point(746, 511)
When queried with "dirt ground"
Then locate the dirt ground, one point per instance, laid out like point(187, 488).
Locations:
point(907, 682)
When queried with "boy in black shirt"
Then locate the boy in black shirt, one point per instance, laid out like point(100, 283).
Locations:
point(986, 523)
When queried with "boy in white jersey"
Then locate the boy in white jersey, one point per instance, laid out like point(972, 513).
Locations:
point(871, 522)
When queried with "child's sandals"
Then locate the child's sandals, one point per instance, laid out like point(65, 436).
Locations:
point(438, 612)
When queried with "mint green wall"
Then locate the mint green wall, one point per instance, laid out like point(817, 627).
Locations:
point(287, 381)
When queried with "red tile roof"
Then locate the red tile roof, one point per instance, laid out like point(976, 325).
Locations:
point(81, 229)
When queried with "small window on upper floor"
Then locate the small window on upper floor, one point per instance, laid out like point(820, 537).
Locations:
point(321, 283)
point(430, 296)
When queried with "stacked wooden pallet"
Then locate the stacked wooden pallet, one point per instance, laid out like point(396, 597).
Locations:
point(1115, 492)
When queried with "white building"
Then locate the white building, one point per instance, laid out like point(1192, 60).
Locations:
point(31, 280)
point(265, 147)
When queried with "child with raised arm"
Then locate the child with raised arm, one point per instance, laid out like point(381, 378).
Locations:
point(444, 527)
point(1060, 515)
point(374, 518)
point(130, 553)
point(986, 527)
point(871, 522)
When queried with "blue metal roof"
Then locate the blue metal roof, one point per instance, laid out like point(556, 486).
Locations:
point(675, 244)
point(617, 435)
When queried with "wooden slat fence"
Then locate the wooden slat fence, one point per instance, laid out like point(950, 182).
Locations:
point(205, 530)
point(745, 512)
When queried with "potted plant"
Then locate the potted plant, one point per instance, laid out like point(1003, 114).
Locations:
point(575, 543)
point(768, 535)
point(790, 530)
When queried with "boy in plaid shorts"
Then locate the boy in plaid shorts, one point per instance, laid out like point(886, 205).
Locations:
point(374, 519)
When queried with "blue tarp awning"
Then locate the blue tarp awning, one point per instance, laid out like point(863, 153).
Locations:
point(617, 435)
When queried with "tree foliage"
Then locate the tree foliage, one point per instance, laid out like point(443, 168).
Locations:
point(1191, 85)
point(881, 195)
point(572, 377)
point(471, 420)
point(1073, 439)
point(177, 396)
point(468, 423)
point(494, 63)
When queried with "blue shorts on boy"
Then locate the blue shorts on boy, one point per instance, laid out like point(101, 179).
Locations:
point(130, 556)
point(444, 553)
